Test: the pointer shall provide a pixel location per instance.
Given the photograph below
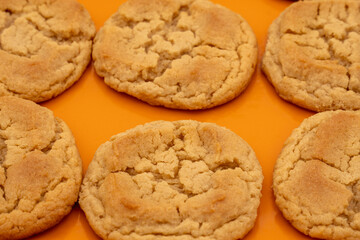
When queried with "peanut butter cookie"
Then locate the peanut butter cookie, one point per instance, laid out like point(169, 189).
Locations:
point(173, 180)
point(184, 54)
point(316, 178)
point(40, 169)
point(312, 55)
point(44, 47)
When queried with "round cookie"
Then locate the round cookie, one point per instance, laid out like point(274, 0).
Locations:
point(182, 54)
point(316, 179)
point(44, 47)
point(40, 169)
point(173, 180)
point(312, 55)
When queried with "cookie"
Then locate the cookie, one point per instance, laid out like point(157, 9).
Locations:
point(316, 179)
point(312, 55)
point(40, 169)
point(172, 180)
point(182, 54)
point(44, 47)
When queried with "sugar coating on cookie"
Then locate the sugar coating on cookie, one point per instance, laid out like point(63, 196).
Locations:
point(312, 55)
point(316, 178)
point(44, 47)
point(183, 54)
point(173, 180)
point(40, 169)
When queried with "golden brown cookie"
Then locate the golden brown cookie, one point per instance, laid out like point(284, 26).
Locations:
point(40, 169)
point(44, 47)
point(184, 54)
point(316, 178)
point(312, 55)
point(173, 180)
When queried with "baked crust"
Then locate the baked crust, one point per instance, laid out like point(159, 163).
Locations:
point(316, 179)
point(44, 47)
point(172, 180)
point(40, 169)
point(312, 55)
point(184, 54)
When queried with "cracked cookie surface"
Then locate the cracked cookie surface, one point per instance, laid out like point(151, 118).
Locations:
point(45, 45)
point(316, 179)
point(173, 180)
point(183, 54)
point(312, 55)
point(40, 169)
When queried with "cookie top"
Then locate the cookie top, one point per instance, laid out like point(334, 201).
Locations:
point(183, 54)
point(316, 178)
point(40, 169)
point(172, 180)
point(44, 47)
point(312, 55)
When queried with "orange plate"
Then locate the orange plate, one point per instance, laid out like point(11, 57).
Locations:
point(95, 112)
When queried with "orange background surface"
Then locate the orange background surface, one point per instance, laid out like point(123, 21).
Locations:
point(94, 112)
